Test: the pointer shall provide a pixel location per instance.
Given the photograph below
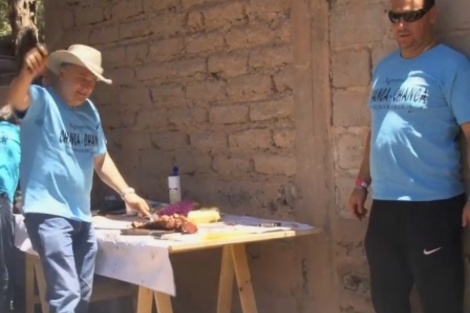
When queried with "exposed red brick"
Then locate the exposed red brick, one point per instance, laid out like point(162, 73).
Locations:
point(205, 43)
point(209, 141)
point(152, 6)
point(266, 110)
point(122, 75)
point(251, 139)
point(168, 24)
point(166, 49)
point(249, 36)
point(228, 65)
point(169, 95)
point(228, 114)
point(153, 119)
point(224, 16)
point(104, 34)
point(230, 166)
point(284, 138)
point(137, 53)
point(126, 8)
point(269, 10)
point(183, 117)
point(179, 68)
point(134, 28)
point(135, 97)
point(196, 21)
point(250, 88)
point(275, 164)
point(89, 14)
point(169, 140)
point(205, 93)
point(271, 57)
point(283, 80)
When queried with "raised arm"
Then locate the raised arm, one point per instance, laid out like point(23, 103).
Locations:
point(34, 65)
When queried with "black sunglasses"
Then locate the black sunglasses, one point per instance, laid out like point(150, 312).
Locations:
point(409, 16)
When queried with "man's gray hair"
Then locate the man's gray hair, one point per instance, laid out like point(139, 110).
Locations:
point(7, 114)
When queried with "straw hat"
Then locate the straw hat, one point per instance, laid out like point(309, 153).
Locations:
point(81, 55)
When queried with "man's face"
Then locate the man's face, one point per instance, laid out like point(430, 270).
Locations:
point(77, 83)
point(411, 22)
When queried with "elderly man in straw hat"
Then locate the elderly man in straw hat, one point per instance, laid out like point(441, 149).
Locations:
point(62, 143)
point(10, 156)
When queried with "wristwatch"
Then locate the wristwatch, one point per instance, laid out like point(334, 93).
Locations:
point(126, 191)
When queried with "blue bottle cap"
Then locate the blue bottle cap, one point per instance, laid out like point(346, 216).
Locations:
point(175, 171)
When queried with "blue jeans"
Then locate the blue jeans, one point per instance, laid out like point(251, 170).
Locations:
point(6, 252)
point(67, 249)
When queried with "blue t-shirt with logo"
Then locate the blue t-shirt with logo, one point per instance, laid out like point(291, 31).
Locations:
point(10, 155)
point(59, 144)
point(416, 108)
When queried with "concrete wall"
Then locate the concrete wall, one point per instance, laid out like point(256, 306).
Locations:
point(262, 105)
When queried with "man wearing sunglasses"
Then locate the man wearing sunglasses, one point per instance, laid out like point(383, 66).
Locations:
point(419, 104)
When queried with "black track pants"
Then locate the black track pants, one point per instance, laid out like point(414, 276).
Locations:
point(416, 243)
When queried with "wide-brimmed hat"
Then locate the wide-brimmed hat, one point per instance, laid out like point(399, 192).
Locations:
point(81, 55)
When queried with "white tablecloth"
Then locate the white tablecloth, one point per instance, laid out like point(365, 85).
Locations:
point(140, 260)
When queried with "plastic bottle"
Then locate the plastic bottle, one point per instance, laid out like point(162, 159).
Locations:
point(174, 187)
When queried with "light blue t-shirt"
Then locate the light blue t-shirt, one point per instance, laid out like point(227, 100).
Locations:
point(10, 155)
point(59, 144)
point(416, 108)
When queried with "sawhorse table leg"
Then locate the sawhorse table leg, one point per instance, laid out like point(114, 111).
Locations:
point(145, 300)
point(235, 263)
point(29, 284)
point(34, 274)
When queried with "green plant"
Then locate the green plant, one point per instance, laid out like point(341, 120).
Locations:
point(5, 28)
point(40, 20)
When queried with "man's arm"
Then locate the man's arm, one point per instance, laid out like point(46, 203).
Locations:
point(18, 93)
point(358, 196)
point(107, 171)
point(364, 171)
point(34, 65)
point(465, 127)
point(109, 174)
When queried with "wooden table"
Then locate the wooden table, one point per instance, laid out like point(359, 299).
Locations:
point(234, 264)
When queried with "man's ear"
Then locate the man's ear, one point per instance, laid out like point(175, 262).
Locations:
point(61, 72)
point(433, 14)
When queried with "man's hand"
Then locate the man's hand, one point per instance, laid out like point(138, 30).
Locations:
point(356, 202)
point(137, 203)
point(35, 62)
point(466, 214)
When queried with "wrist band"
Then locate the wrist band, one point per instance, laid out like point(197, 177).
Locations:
point(361, 184)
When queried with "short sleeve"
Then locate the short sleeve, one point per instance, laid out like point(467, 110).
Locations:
point(459, 93)
point(101, 146)
point(37, 96)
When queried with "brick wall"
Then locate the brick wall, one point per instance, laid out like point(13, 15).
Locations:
point(250, 98)
point(205, 85)
point(354, 51)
